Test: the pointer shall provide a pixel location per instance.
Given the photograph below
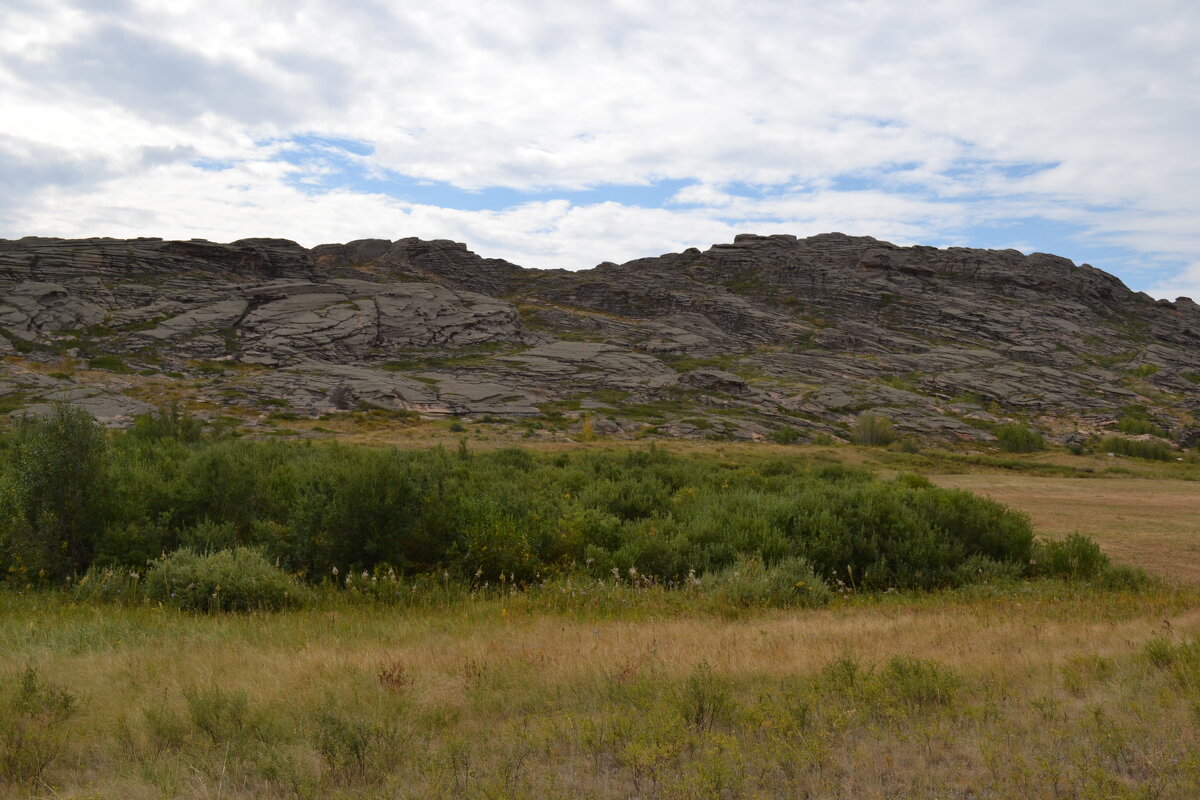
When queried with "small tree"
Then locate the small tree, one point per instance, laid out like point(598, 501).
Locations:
point(1018, 439)
point(168, 422)
point(873, 430)
point(56, 491)
point(785, 435)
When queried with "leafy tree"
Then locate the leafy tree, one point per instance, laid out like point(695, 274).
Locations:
point(55, 495)
point(873, 430)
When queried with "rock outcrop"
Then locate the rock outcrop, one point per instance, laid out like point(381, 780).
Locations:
point(763, 333)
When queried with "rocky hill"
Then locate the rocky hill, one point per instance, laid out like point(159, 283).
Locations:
point(761, 337)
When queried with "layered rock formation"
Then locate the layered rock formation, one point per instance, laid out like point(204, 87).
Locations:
point(762, 334)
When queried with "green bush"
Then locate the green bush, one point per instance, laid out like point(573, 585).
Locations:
point(916, 684)
point(1137, 448)
point(1019, 439)
point(54, 501)
point(705, 699)
point(227, 580)
point(905, 444)
point(1144, 370)
point(110, 363)
point(785, 435)
point(1076, 558)
point(748, 582)
point(478, 516)
point(170, 422)
point(873, 430)
point(904, 686)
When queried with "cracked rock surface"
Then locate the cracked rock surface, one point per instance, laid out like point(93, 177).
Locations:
point(736, 341)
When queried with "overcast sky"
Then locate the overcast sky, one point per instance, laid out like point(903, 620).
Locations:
point(562, 134)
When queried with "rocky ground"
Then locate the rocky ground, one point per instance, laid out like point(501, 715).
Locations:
point(765, 337)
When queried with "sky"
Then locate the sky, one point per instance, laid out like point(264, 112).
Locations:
point(563, 134)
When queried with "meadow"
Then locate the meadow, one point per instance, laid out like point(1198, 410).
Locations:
point(1034, 669)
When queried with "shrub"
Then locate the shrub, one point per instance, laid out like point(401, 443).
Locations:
point(350, 745)
point(873, 430)
point(311, 508)
point(1076, 558)
point(1019, 439)
point(785, 435)
point(1137, 448)
point(170, 422)
point(1121, 577)
point(905, 444)
point(748, 582)
point(209, 537)
point(57, 492)
point(1144, 370)
point(240, 579)
point(981, 569)
point(1137, 426)
point(704, 699)
point(916, 683)
point(110, 363)
point(904, 686)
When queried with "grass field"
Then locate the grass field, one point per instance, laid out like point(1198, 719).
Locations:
point(1038, 689)
point(1043, 691)
point(1154, 524)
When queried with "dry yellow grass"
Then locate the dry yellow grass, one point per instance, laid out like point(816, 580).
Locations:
point(489, 677)
point(1153, 524)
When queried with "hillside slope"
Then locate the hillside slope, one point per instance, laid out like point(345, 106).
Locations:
point(763, 334)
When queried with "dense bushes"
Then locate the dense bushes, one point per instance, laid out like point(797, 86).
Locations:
point(748, 582)
point(873, 430)
point(1019, 439)
point(53, 493)
point(1138, 448)
point(510, 515)
point(225, 580)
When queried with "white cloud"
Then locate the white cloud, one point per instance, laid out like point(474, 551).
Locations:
point(1185, 283)
point(924, 104)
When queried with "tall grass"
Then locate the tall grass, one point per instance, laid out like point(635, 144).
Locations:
point(1045, 690)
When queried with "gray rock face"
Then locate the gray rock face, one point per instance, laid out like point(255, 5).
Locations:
point(733, 341)
point(31, 307)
